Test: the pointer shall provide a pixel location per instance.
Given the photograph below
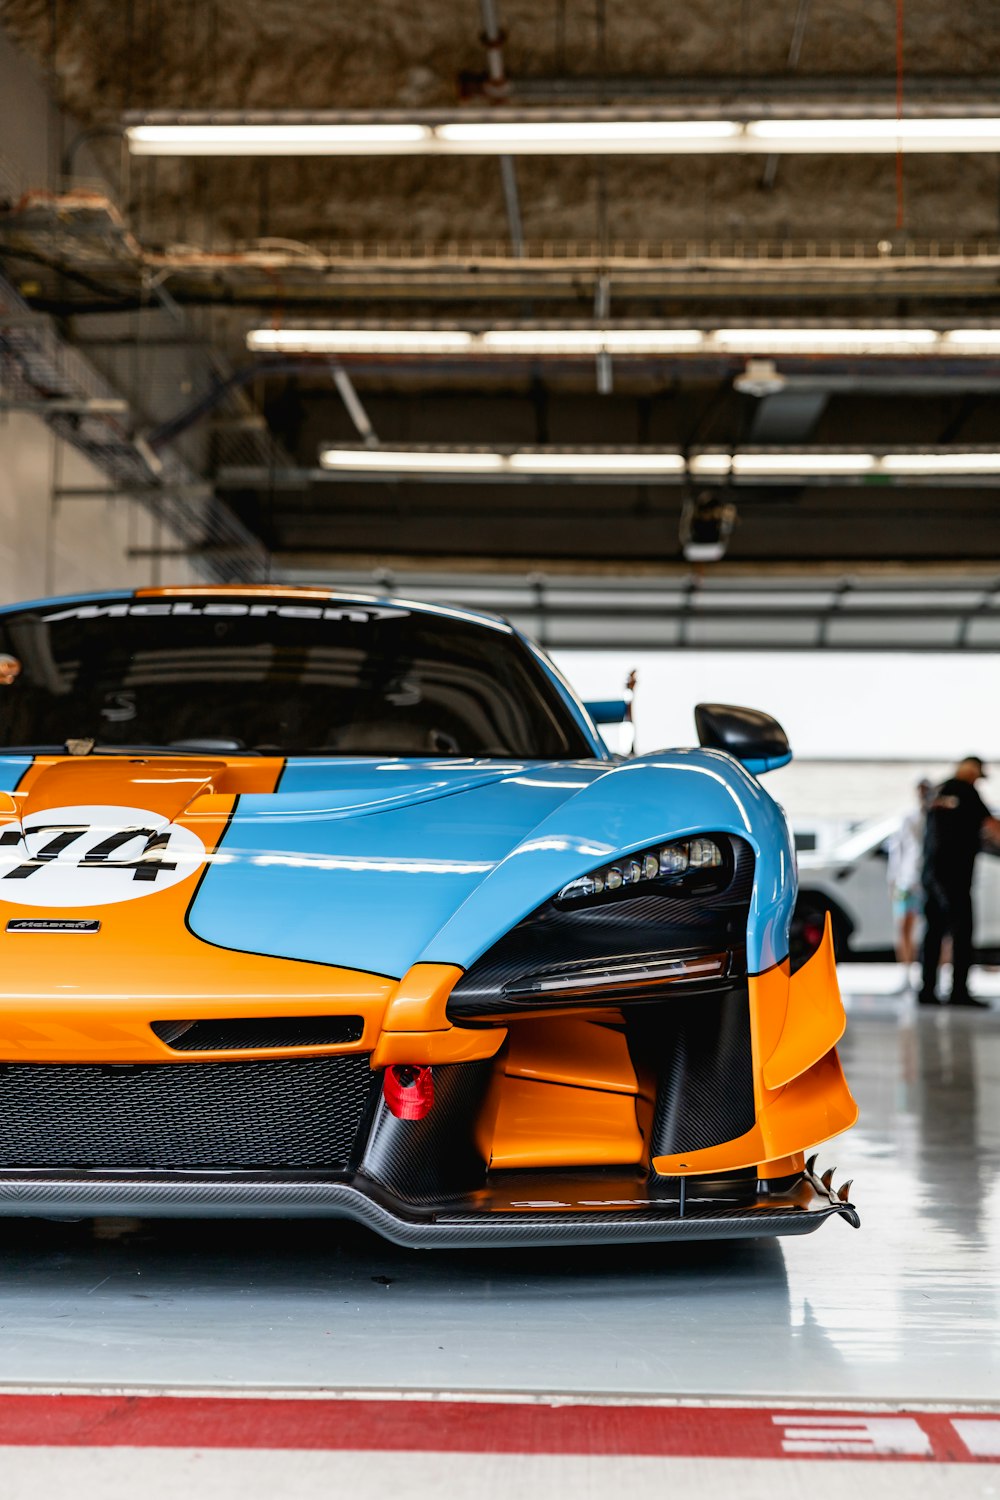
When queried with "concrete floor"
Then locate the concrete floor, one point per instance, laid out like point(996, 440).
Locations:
point(906, 1309)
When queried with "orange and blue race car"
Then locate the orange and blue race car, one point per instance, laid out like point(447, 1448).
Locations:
point(314, 904)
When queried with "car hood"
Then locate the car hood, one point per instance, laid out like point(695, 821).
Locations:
point(377, 865)
point(337, 869)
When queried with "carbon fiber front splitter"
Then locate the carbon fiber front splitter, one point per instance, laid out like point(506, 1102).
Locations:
point(518, 1209)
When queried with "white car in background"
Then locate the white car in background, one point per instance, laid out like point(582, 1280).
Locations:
point(849, 881)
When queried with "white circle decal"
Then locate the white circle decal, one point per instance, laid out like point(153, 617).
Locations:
point(93, 856)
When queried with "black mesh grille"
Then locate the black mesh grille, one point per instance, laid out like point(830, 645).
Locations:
point(259, 1031)
point(287, 1112)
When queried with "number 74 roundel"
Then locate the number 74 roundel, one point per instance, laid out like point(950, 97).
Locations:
point(93, 856)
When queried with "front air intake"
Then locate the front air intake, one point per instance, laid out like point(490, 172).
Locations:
point(297, 1112)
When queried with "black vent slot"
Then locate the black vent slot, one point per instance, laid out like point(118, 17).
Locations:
point(259, 1032)
point(296, 1112)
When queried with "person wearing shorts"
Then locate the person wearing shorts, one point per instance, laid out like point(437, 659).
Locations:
point(904, 876)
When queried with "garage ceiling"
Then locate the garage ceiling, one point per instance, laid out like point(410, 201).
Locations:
point(156, 271)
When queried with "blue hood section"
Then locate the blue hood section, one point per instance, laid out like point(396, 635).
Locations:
point(342, 788)
point(377, 866)
point(12, 768)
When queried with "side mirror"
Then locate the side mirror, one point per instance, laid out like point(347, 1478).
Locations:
point(752, 737)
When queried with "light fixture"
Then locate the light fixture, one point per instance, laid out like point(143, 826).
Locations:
point(766, 464)
point(817, 340)
point(711, 465)
point(413, 460)
point(781, 464)
point(662, 461)
point(573, 340)
point(360, 340)
point(568, 340)
point(521, 463)
point(707, 523)
point(277, 139)
point(876, 134)
point(590, 341)
point(594, 136)
point(662, 465)
point(943, 463)
point(982, 340)
point(566, 131)
point(760, 378)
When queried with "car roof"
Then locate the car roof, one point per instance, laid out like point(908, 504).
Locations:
point(276, 591)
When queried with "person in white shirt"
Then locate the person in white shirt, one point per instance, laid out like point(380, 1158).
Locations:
point(906, 847)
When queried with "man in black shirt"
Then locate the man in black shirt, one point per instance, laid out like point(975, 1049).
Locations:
point(956, 819)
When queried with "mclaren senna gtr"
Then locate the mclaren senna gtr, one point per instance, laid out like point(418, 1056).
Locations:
point(325, 905)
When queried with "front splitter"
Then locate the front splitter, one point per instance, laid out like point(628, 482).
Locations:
point(548, 1210)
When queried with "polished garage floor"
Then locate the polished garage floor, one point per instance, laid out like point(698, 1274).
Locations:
point(906, 1310)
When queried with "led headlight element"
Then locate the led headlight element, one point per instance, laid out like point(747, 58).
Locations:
point(667, 862)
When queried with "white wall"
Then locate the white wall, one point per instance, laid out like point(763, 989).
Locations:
point(864, 726)
point(879, 705)
point(76, 545)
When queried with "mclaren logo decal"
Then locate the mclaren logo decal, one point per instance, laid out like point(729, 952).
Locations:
point(93, 856)
point(54, 924)
point(355, 614)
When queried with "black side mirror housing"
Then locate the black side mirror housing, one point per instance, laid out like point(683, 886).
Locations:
point(752, 737)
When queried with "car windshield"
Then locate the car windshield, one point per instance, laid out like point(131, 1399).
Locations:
point(276, 675)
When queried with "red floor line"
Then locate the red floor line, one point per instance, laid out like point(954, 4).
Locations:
point(478, 1427)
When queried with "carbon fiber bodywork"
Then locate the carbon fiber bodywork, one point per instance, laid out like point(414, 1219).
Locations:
point(495, 1218)
point(426, 1160)
point(704, 1091)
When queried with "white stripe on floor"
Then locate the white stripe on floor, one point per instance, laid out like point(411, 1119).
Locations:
point(164, 1474)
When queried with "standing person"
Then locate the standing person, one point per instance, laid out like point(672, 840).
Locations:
point(956, 819)
point(904, 877)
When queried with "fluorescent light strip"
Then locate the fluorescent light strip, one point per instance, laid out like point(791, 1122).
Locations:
point(586, 137)
point(580, 136)
point(874, 136)
point(819, 340)
point(835, 464)
point(360, 340)
point(523, 462)
point(664, 462)
point(941, 463)
point(588, 342)
point(971, 340)
point(277, 140)
point(410, 460)
point(779, 465)
point(656, 463)
point(591, 340)
point(552, 341)
point(765, 464)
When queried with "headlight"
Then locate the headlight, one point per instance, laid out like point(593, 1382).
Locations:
point(674, 924)
point(670, 864)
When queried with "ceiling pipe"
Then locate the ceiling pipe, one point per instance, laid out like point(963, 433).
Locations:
point(497, 90)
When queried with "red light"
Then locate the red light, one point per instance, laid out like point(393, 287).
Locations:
point(408, 1091)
